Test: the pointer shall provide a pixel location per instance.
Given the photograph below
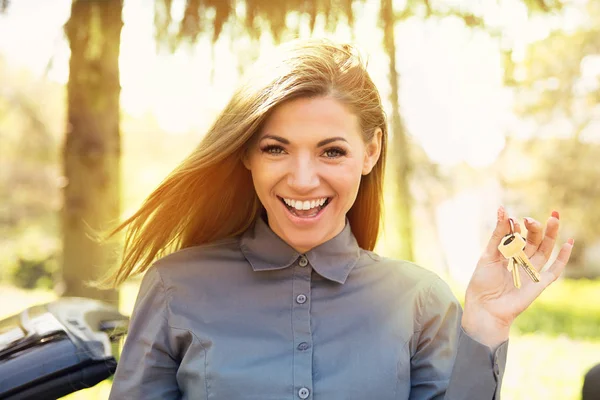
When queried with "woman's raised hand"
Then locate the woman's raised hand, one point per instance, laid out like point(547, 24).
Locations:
point(492, 302)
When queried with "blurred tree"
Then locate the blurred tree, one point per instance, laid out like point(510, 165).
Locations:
point(92, 148)
point(400, 157)
point(557, 86)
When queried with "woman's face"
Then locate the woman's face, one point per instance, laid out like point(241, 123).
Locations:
point(306, 164)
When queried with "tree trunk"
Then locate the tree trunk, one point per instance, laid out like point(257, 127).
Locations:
point(399, 155)
point(92, 147)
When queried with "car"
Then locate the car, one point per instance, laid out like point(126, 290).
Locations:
point(50, 350)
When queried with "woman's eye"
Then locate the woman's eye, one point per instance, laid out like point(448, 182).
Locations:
point(272, 149)
point(334, 152)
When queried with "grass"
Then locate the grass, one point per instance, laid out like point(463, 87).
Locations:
point(543, 367)
point(552, 344)
point(569, 307)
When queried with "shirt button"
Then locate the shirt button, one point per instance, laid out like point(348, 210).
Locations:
point(303, 393)
point(301, 299)
point(303, 346)
point(303, 261)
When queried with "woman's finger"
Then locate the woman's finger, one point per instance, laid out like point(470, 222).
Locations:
point(545, 248)
point(531, 290)
point(535, 234)
point(557, 267)
point(501, 229)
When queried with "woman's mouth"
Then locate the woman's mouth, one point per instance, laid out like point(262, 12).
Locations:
point(305, 208)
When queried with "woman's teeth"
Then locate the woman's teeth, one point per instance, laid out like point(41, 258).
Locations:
point(306, 204)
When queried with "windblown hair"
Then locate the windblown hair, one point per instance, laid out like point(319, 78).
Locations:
point(210, 195)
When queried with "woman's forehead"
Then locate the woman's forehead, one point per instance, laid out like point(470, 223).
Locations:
point(317, 115)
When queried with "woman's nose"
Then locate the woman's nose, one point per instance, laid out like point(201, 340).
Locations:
point(304, 175)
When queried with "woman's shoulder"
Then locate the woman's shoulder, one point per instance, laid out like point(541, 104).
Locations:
point(406, 273)
point(196, 259)
point(427, 291)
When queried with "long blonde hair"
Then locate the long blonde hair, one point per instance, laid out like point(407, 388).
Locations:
point(210, 195)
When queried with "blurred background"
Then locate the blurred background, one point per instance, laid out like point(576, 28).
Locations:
point(489, 102)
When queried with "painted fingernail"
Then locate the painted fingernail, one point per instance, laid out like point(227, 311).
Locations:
point(571, 241)
point(555, 214)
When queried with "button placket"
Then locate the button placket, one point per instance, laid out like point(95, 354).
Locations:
point(302, 357)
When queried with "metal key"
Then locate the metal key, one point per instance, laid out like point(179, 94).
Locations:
point(511, 246)
point(515, 272)
point(526, 264)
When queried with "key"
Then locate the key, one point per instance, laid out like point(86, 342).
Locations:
point(515, 272)
point(511, 261)
point(526, 264)
point(511, 246)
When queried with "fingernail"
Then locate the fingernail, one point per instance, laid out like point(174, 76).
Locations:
point(528, 220)
point(501, 213)
point(555, 214)
point(571, 241)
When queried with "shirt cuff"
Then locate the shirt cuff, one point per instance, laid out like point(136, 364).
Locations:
point(477, 372)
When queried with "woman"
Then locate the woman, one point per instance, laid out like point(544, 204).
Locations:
point(274, 292)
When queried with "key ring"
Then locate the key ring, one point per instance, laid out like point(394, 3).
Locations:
point(512, 226)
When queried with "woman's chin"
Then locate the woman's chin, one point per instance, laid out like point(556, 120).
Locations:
point(306, 238)
point(304, 232)
point(301, 238)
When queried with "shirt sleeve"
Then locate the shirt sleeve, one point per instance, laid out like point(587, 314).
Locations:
point(147, 366)
point(447, 363)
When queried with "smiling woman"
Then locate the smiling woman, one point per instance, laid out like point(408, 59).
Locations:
point(272, 290)
point(214, 177)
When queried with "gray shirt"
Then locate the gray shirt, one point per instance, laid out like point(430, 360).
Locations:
point(250, 318)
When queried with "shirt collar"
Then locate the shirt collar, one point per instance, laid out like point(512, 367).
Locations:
point(333, 259)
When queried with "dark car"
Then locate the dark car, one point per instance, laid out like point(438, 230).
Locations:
point(51, 350)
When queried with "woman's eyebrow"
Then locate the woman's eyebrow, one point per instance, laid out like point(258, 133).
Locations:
point(330, 140)
point(320, 144)
point(274, 137)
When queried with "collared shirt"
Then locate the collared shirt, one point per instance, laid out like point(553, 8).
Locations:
point(251, 318)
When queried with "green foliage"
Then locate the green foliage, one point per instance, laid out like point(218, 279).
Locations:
point(560, 320)
point(201, 17)
point(35, 273)
point(568, 307)
point(31, 257)
point(31, 124)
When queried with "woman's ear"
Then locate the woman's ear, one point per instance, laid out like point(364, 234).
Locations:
point(372, 151)
point(246, 159)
